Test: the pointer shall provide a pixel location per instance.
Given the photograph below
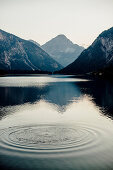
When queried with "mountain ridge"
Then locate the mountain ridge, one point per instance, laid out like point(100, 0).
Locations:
point(97, 56)
point(35, 42)
point(19, 54)
point(62, 49)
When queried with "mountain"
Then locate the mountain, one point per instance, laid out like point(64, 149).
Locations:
point(34, 42)
point(98, 56)
point(62, 50)
point(20, 54)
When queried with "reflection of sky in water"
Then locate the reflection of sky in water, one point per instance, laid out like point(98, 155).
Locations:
point(35, 81)
point(70, 115)
point(43, 112)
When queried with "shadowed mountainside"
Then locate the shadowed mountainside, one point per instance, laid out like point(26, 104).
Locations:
point(19, 54)
point(99, 55)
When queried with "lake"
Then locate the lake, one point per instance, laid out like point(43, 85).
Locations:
point(55, 123)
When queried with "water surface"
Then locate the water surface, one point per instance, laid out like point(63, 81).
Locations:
point(55, 122)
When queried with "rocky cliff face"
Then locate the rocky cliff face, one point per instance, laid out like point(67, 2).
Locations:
point(19, 54)
point(99, 55)
point(62, 49)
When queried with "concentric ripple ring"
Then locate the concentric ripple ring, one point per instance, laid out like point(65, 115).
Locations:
point(50, 138)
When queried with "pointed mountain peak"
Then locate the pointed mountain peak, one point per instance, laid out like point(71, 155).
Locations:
point(61, 36)
point(62, 49)
point(60, 41)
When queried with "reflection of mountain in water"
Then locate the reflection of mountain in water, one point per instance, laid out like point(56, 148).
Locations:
point(60, 94)
point(57, 93)
point(102, 93)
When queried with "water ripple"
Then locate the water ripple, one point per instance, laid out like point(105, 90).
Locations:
point(47, 139)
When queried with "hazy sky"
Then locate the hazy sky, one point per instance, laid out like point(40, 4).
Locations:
point(40, 20)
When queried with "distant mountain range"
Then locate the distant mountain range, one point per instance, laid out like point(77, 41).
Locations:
point(98, 56)
point(19, 54)
point(62, 50)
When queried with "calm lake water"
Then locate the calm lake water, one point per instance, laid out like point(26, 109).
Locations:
point(55, 123)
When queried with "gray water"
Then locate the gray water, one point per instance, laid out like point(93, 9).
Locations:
point(55, 123)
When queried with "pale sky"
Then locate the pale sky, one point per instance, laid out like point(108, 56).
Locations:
point(80, 20)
